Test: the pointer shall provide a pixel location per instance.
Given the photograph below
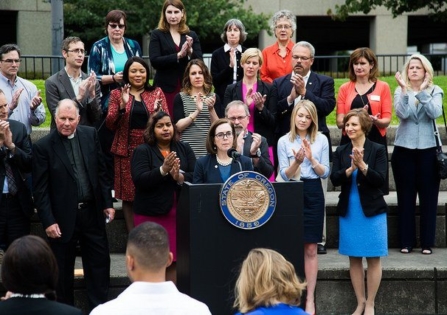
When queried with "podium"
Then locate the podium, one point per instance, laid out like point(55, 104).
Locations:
point(210, 250)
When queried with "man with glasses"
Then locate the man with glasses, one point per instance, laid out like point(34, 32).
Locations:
point(249, 144)
point(24, 101)
point(302, 83)
point(72, 83)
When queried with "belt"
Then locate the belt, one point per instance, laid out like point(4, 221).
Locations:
point(84, 205)
point(8, 195)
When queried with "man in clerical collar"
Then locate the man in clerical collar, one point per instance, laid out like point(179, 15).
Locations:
point(73, 200)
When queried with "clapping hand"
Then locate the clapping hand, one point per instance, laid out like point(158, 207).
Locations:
point(199, 102)
point(307, 149)
point(92, 84)
point(210, 101)
point(356, 158)
point(158, 102)
point(169, 162)
point(299, 155)
point(425, 82)
point(125, 92)
point(15, 99)
point(36, 101)
point(175, 170)
point(232, 57)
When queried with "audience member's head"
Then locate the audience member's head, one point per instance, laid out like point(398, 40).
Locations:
point(266, 279)
point(147, 250)
point(29, 267)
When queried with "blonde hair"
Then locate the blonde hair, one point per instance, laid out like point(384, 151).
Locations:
point(312, 131)
point(425, 63)
point(250, 53)
point(266, 278)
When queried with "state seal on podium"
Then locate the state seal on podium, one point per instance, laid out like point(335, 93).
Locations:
point(247, 200)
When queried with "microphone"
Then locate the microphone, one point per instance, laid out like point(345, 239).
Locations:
point(232, 153)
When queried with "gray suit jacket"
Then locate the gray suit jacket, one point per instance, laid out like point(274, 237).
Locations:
point(415, 130)
point(58, 87)
point(265, 166)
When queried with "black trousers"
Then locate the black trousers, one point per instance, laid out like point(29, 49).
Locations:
point(14, 223)
point(95, 259)
point(415, 173)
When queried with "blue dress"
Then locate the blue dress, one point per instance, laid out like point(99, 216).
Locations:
point(277, 309)
point(362, 236)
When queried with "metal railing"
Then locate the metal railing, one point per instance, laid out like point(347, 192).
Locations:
point(43, 66)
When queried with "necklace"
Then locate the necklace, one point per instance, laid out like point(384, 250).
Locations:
point(224, 163)
point(28, 296)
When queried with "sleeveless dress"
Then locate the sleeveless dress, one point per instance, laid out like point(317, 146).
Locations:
point(362, 236)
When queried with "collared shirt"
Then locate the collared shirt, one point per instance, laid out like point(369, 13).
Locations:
point(275, 66)
point(75, 82)
point(320, 151)
point(227, 49)
point(161, 298)
point(23, 112)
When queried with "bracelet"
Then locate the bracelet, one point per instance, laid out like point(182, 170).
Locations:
point(366, 168)
point(162, 172)
point(113, 78)
point(192, 118)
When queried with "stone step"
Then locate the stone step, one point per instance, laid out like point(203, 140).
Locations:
point(332, 228)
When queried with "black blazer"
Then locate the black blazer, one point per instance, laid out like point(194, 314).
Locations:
point(58, 87)
point(221, 72)
point(207, 169)
point(369, 186)
point(154, 193)
point(319, 90)
point(163, 57)
point(24, 306)
point(265, 120)
point(54, 185)
point(264, 166)
point(20, 164)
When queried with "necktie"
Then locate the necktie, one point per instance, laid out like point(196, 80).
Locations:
point(12, 185)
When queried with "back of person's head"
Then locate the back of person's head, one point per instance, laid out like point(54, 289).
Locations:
point(29, 267)
point(266, 278)
point(148, 244)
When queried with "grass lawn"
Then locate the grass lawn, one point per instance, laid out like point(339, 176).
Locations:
point(440, 80)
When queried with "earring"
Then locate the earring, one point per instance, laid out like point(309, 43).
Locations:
point(215, 148)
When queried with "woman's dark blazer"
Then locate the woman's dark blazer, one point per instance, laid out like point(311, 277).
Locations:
point(163, 57)
point(221, 72)
point(154, 193)
point(265, 122)
point(207, 169)
point(369, 186)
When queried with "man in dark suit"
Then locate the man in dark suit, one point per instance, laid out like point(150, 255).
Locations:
point(72, 197)
point(74, 84)
point(302, 83)
point(249, 144)
point(16, 206)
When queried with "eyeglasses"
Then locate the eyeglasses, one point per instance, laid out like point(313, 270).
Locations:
point(283, 27)
point(303, 58)
point(12, 60)
point(222, 135)
point(77, 51)
point(120, 26)
point(237, 118)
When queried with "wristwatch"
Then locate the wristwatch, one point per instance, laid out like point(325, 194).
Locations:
point(257, 155)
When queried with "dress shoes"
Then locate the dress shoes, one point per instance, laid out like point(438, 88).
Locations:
point(321, 249)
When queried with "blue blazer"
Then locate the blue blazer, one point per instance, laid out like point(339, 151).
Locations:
point(207, 169)
point(369, 186)
point(319, 90)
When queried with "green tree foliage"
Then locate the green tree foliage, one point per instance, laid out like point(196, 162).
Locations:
point(437, 8)
point(85, 18)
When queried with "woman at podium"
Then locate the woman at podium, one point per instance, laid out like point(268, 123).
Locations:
point(304, 148)
point(221, 162)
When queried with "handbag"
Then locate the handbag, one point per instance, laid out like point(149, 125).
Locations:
point(441, 157)
point(296, 176)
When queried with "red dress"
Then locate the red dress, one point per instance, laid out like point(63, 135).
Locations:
point(126, 139)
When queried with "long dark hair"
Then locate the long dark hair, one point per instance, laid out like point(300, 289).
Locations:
point(29, 267)
point(149, 132)
point(129, 62)
point(207, 79)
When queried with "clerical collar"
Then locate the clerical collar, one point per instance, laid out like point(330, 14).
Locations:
point(228, 47)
